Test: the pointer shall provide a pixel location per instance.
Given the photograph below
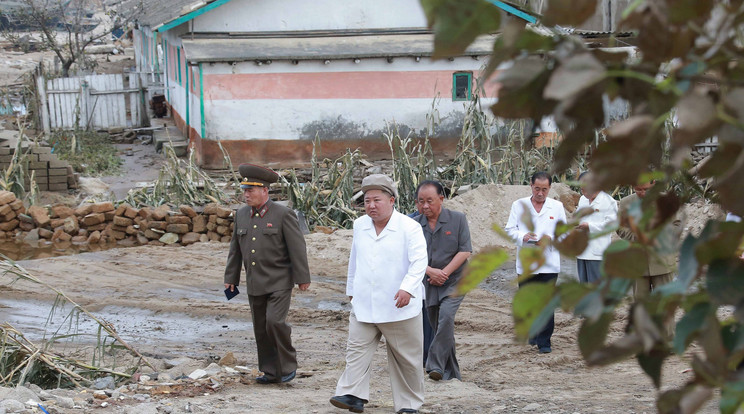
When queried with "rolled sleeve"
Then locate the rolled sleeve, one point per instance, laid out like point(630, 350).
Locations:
point(418, 258)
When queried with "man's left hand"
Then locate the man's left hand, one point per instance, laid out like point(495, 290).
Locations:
point(303, 286)
point(402, 298)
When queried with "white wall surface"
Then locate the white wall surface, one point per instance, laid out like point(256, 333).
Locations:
point(288, 15)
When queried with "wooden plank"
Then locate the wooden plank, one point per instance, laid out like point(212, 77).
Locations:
point(102, 109)
point(44, 105)
point(56, 104)
point(119, 100)
point(133, 100)
point(67, 106)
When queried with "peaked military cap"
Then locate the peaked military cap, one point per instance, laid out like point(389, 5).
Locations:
point(256, 176)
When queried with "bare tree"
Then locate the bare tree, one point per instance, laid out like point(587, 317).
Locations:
point(66, 27)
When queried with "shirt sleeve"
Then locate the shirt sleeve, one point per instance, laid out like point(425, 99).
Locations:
point(464, 236)
point(512, 225)
point(417, 258)
point(296, 248)
point(352, 267)
point(234, 258)
point(609, 212)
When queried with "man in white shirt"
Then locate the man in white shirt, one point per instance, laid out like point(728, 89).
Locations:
point(545, 213)
point(603, 216)
point(386, 268)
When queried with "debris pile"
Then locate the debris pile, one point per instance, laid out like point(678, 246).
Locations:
point(102, 222)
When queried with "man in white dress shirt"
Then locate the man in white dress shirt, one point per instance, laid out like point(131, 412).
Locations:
point(546, 213)
point(603, 216)
point(386, 268)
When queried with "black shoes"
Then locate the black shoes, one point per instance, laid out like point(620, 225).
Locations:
point(545, 350)
point(433, 374)
point(348, 402)
point(407, 410)
point(263, 379)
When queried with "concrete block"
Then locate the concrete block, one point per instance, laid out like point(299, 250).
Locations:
point(58, 186)
point(57, 179)
point(47, 157)
point(41, 150)
point(37, 165)
point(57, 171)
point(58, 164)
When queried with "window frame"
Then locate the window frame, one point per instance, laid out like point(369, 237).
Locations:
point(470, 86)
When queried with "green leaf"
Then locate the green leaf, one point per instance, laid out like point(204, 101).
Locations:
point(689, 326)
point(732, 397)
point(544, 316)
point(532, 258)
point(592, 334)
point(590, 306)
point(575, 74)
point(651, 364)
point(574, 243)
point(528, 303)
point(725, 281)
point(622, 349)
point(572, 293)
point(521, 88)
point(621, 259)
point(686, 400)
point(480, 267)
point(456, 23)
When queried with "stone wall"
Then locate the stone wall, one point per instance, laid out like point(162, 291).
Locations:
point(97, 223)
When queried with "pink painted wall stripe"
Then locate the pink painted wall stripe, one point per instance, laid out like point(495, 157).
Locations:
point(329, 85)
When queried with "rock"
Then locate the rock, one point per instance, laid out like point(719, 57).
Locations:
point(18, 206)
point(122, 221)
point(93, 219)
point(26, 218)
point(199, 373)
point(190, 238)
point(213, 369)
point(83, 210)
point(62, 211)
point(40, 215)
point(103, 207)
point(94, 237)
point(178, 219)
point(131, 212)
point(64, 402)
point(169, 238)
point(187, 211)
point(105, 383)
point(157, 225)
point(177, 228)
point(32, 236)
point(532, 407)
point(9, 225)
point(71, 225)
point(165, 377)
point(199, 224)
point(7, 197)
point(144, 378)
point(172, 363)
point(12, 406)
point(160, 213)
point(228, 360)
point(141, 239)
point(203, 238)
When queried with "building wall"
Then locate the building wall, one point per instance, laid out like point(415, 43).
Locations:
point(345, 104)
point(290, 15)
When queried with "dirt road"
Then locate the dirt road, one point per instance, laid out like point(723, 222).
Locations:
point(168, 303)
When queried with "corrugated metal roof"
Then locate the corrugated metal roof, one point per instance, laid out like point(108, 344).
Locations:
point(155, 13)
point(329, 47)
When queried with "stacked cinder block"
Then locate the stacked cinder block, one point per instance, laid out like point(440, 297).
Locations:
point(103, 223)
point(50, 173)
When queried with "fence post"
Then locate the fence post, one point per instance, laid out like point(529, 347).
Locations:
point(43, 104)
point(85, 103)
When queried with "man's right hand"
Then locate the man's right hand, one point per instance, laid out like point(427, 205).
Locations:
point(437, 277)
point(229, 286)
point(529, 236)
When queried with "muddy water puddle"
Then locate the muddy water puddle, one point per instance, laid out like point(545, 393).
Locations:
point(134, 325)
point(18, 250)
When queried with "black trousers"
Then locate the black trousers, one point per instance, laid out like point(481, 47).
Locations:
point(276, 356)
point(542, 339)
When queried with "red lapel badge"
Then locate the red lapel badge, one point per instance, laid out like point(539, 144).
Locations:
point(269, 225)
point(448, 233)
point(551, 217)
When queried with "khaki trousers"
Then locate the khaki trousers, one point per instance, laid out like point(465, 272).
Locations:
point(405, 344)
point(647, 284)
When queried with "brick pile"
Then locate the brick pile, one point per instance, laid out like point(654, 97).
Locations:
point(104, 223)
point(50, 173)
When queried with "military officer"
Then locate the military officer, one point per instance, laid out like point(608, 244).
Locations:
point(268, 243)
